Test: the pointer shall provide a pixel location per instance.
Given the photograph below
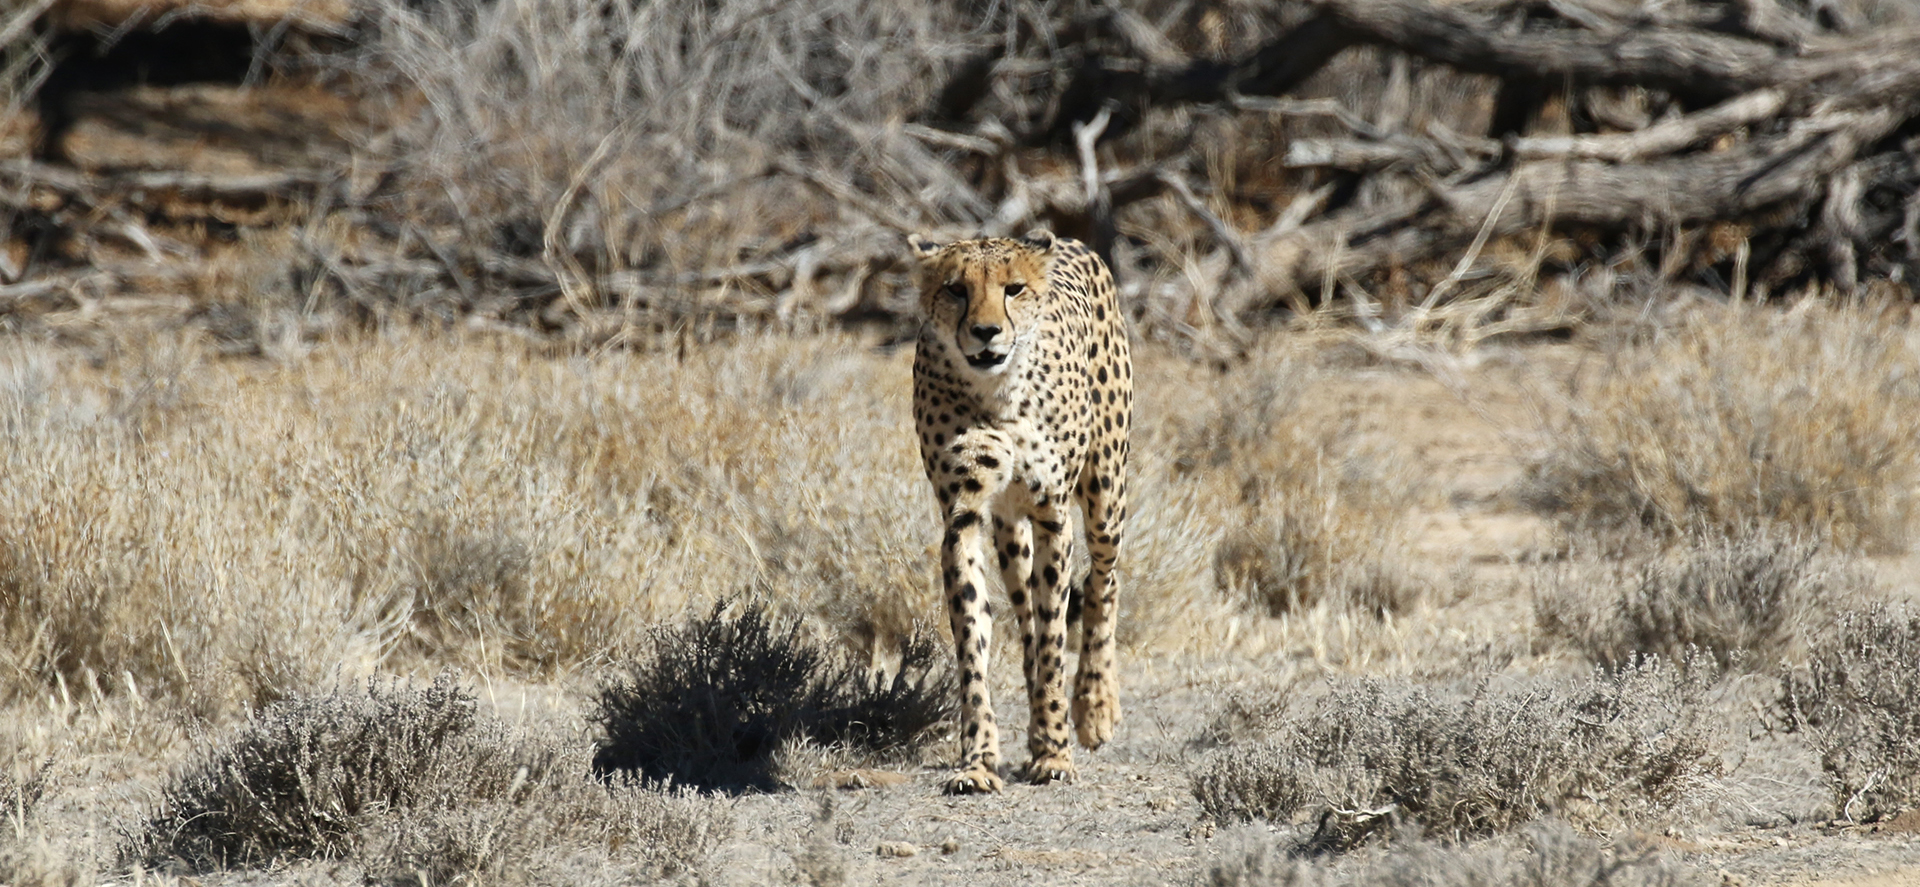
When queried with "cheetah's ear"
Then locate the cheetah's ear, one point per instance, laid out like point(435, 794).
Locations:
point(922, 245)
point(1039, 238)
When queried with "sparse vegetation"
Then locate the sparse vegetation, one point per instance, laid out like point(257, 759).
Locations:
point(1743, 601)
point(1857, 701)
point(1358, 756)
point(718, 697)
point(1728, 419)
point(408, 783)
point(433, 498)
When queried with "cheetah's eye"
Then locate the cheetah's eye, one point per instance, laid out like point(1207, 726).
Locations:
point(957, 290)
point(1014, 289)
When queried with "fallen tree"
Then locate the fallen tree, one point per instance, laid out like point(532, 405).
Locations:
point(1799, 134)
point(1235, 162)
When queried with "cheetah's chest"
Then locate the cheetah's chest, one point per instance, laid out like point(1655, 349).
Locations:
point(1042, 407)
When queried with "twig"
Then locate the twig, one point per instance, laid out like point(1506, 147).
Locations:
point(565, 268)
point(14, 293)
point(1664, 137)
point(946, 139)
point(1084, 137)
point(22, 19)
point(1473, 251)
point(1309, 108)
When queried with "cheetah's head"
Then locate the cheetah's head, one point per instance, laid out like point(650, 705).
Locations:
point(984, 292)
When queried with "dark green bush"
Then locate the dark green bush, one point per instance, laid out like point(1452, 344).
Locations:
point(718, 695)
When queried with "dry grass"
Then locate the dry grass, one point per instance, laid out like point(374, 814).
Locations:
point(1728, 419)
point(409, 500)
point(1359, 757)
point(1857, 702)
point(185, 537)
point(409, 784)
point(1317, 514)
point(1741, 602)
point(21, 791)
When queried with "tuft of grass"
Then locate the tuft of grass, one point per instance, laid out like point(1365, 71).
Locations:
point(1361, 756)
point(1735, 418)
point(1737, 600)
point(720, 696)
point(1857, 702)
point(403, 781)
point(1550, 854)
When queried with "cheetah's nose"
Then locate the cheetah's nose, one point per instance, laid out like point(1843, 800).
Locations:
point(985, 331)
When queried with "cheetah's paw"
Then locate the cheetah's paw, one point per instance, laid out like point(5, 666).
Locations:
point(1096, 711)
point(1048, 768)
point(975, 780)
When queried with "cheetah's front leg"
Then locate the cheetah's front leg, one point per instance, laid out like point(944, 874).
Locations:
point(1048, 741)
point(972, 471)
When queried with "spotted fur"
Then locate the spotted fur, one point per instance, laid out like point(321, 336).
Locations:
point(1023, 394)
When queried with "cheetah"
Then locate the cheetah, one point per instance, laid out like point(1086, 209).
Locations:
point(1022, 395)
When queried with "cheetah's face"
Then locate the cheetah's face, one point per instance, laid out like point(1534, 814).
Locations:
point(984, 293)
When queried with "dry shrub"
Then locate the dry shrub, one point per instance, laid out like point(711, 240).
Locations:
point(1857, 702)
point(1551, 854)
point(720, 696)
point(406, 781)
point(1744, 600)
point(20, 795)
point(1464, 762)
point(1313, 512)
point(674, 159)
point(1733, 418)
point(657, 139)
